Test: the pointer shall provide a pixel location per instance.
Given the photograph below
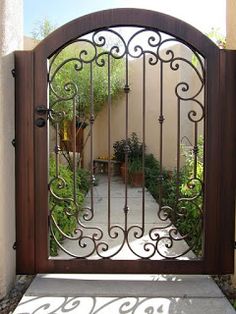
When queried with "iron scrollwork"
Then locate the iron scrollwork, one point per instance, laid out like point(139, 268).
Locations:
point(96, 50)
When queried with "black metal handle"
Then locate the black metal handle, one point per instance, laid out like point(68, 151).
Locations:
point(41, 110)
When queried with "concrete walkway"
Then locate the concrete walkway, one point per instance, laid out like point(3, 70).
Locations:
point(152, 224)
point(123, 294)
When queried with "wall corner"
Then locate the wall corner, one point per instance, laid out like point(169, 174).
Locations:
point(11, 39)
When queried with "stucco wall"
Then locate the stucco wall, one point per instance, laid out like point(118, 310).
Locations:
point(11, 38)
point(170, 80)
point(29, 43)
point(231, 24)
point(231, 44)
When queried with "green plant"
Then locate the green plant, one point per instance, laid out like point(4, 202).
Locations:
point(42, 29)
point(191, 188)
point(187, 214)
point(132, 145)
point(135, 172)
point(217, 37)
point(64, 212)
point(157, 180)
point(70, 70)
point(135, 165)
point(70, 78)
point(119, 150)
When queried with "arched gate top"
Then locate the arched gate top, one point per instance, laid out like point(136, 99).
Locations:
point(125, 17)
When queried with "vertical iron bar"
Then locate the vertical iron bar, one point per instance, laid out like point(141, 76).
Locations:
point(161, 120)
point(74, 149)
point(126, 89)
point(57, 149)
point(144, 138)
point(91, 134)
point(109, 142)
point(178, 150)
point(195, 149)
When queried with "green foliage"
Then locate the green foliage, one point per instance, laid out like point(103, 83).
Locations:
point(135, 165)
point(72, 78)
point(191, 223)
point(217, 37)
point(152, 171)
point(133, 145)
point(168, 187)
point(187, 214)
point(233, 302)
point(65, 212)
point(42, 29)
point(154, 182)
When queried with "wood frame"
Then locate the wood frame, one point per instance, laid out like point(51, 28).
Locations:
point(31, 151)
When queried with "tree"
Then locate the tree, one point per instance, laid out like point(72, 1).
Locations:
point(70, 69)
point(70, 73)
point(42, 29)
point(80, 85)
point(217, 37)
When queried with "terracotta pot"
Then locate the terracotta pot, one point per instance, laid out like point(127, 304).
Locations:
point(136, 179)
point(122, 170)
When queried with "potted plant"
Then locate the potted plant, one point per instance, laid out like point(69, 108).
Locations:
point(135, 171)
point(130, 146)
point(119, 153)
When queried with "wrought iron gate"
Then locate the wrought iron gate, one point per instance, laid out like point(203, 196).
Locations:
point(151, 90)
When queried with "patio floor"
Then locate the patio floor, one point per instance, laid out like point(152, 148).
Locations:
point(117, 217)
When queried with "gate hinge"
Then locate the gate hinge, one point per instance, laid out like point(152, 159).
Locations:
point(13, 72)
point(14, 246)
point(13, 142)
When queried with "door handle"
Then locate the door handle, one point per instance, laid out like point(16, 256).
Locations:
point(42, 110)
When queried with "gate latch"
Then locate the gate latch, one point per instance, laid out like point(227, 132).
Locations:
point(42, 110)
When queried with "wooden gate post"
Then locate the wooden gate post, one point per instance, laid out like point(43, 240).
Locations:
point(25, 207)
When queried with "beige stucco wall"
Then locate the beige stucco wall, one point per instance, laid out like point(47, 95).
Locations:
point(29, 43)
point(170, 80)
point(11, 38)
point(231, 24)
point(231, 44)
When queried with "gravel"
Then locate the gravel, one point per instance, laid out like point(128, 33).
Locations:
point(9, 303)
point(225, 284)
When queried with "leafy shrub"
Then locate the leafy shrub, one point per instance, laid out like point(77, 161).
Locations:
point(154, 180)
point(132, 144)
point(135, 165)
point(191, 222)
point(64, 211)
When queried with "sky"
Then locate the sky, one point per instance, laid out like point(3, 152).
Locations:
point(202, 14)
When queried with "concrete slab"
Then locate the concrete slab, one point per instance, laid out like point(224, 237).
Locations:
point(126, 286)
point(134, 294)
